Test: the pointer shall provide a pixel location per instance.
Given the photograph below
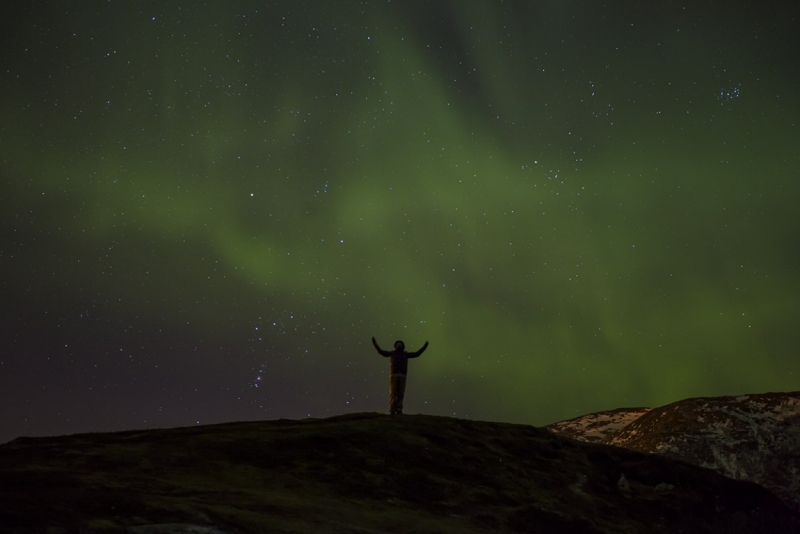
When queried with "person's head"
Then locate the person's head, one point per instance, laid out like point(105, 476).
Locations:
point(399, 345)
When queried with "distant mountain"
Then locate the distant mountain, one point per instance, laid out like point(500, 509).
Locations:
point(749, 437)
point(597, 427)
point(366, 473)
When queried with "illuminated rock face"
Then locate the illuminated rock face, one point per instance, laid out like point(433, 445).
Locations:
point(748, 437)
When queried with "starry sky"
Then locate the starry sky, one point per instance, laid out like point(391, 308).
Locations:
point(209, 208)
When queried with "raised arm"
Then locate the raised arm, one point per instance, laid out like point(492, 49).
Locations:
point(380, 350)
point(420, 351)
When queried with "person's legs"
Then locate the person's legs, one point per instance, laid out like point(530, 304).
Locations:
point(397, 389)
point(401, 391)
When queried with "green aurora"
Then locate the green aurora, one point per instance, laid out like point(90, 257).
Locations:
point(208, 211)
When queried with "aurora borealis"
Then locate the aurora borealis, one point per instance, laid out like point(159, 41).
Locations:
point(209, 208)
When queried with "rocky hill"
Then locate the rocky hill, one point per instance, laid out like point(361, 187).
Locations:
point(366, 473)
point(597, 427)
point(749, 437)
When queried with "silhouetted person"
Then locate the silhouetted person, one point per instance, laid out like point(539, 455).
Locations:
point(398, 369)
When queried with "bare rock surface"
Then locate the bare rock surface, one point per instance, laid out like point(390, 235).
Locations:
point(747, 437)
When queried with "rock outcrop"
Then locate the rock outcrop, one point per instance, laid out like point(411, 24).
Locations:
point(747, 437)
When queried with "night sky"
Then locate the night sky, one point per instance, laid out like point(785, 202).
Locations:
point(209, 208)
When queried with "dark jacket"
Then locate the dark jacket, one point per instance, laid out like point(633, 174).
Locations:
point(398, 359)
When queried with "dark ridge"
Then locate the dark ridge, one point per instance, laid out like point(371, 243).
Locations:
point(366, 473)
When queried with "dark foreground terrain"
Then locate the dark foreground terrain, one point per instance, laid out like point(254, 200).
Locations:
point(366, 473)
